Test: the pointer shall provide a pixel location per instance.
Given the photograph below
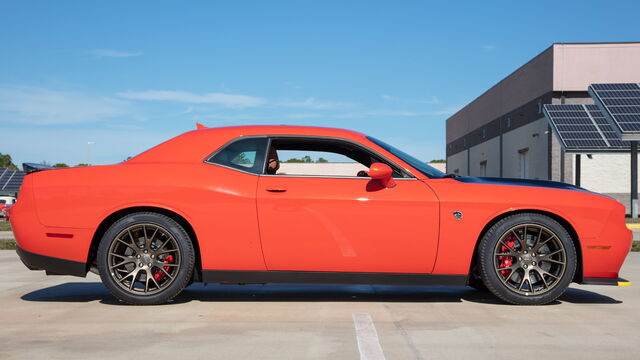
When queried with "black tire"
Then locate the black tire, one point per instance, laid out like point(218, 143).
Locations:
point(521, 276)
point(170, 264)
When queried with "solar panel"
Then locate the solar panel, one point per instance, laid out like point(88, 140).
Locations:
point(620, 105)
point(583, 128)
point(10, 180)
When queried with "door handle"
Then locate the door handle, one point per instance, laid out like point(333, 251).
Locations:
point(276, 190)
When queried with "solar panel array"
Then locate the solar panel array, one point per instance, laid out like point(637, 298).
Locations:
point(583, 128)
point(620, 104)
point(10, 180)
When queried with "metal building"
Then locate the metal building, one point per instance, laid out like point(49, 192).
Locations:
point(504, 133)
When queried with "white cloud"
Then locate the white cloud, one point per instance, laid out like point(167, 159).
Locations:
point(114, 53)
point(43, 106)
point(312, 103)
point(227, 100)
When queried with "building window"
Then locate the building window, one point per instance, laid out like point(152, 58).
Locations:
point(483, 168)
point(523, 160)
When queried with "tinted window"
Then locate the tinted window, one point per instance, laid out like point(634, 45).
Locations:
point(246, 155)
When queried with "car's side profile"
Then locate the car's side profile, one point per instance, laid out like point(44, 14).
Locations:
point(214, 205)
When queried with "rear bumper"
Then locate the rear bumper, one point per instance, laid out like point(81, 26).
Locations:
point(52, 265)
point(606, 281)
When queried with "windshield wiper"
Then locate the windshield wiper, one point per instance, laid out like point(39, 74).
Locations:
point(451, 176)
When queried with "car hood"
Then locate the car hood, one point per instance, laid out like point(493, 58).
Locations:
point(519, 182)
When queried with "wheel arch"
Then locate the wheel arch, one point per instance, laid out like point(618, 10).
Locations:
point(113, 217)
point(562, 221)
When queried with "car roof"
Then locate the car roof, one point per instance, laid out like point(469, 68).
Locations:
point(197, 144)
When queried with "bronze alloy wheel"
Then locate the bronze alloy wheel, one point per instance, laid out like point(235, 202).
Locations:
point(529, 259)
point(144, 259)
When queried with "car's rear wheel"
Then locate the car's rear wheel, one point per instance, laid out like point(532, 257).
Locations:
point(145, 258)
point(527, 259)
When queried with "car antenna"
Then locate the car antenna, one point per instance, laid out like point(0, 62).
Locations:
point(200, 126)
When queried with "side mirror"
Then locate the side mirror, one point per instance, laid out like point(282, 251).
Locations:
point(382, 172)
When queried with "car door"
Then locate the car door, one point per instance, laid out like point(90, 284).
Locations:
point(314, 220)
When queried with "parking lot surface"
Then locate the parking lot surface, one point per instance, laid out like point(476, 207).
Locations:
point(68, 318)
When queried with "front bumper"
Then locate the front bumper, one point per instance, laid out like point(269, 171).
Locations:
point(51, 265)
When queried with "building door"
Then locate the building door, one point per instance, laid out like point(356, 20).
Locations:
point(523, 159)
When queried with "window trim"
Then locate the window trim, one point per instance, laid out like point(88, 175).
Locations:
point(407, 174)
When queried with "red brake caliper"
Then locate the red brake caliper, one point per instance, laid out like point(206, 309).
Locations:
point(506, 260)
point(159, 275)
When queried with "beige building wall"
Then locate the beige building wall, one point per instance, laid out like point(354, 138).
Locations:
point(532, 138)
point(576, 66)
point(488, 151)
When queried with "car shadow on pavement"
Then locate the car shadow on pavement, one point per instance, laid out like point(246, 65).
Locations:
point(73, 292)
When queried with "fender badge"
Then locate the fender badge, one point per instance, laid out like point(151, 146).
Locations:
point(458, 215)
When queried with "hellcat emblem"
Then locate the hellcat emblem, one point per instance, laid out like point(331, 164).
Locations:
point(458, 215)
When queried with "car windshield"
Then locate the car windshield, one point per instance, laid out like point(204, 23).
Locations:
point(417, 164)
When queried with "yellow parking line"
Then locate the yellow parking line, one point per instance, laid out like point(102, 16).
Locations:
point(624, 283)
point(633, 226)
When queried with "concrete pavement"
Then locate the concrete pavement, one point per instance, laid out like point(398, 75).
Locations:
point(70, 318)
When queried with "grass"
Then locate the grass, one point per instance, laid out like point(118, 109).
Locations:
point(7, 244)
point(635, 246)
point(5, 225)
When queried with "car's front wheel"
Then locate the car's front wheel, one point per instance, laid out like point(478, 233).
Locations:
point(527, 259)
point(145, 258)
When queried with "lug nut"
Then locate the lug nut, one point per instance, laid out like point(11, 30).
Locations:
point(533, 254)
point(140, 264)
point(152, 256)
point(138, 256)
point(146, 251)
point(533, 263)
point(525, 266)
point(519, 259)
point(525, 251)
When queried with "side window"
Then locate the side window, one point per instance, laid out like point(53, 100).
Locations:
point(246, 155)
point(319, 157)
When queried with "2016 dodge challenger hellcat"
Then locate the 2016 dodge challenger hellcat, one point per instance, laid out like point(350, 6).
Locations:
point(216, 205)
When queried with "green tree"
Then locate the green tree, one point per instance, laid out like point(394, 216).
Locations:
point(294, 160)
point(307, 159)
point(6, 162)
point(438, 161)
point(82, 164)
point(60, 165)
point(322, 160)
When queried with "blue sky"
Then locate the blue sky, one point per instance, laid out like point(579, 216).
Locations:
point(126, 75)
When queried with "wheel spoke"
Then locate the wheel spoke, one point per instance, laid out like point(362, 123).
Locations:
point(128, 261)
point(546, 286)
point(541, 244)
point(166, 251)
point(166, 273)
point(170, 265)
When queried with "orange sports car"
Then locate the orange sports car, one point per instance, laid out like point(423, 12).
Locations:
point(289, 204)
